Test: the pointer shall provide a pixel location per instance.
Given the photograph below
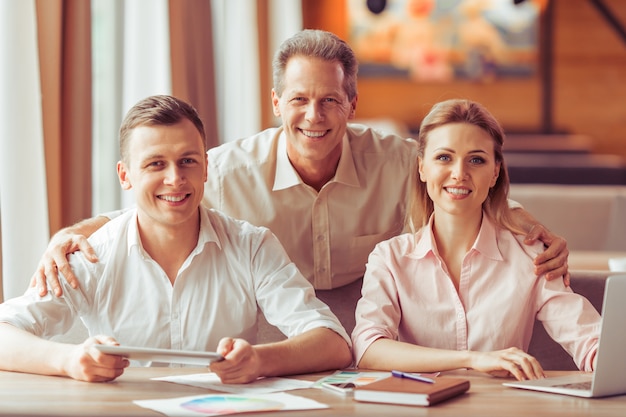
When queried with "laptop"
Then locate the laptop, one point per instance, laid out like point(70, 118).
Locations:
point(609, 377)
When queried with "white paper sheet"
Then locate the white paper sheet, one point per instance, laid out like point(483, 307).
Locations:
point(210, 380)
point(221, 404)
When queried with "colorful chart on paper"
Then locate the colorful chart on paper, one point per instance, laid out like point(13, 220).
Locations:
point(229, 404)
point(356, 377)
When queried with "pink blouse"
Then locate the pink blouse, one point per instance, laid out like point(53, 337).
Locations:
point(407, 295)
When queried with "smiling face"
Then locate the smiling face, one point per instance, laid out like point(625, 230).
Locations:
point(459, 167)
point(166, 167)
point(315, 110)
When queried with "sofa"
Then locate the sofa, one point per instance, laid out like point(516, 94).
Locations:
point(589, 217)
point(565, 167)
point(592, 218)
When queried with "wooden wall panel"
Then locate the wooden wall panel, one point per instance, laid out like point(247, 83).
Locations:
point(590, 74)
point(330, 15)
point(516, 104)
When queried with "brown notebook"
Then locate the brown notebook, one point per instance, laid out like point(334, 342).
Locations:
point(394, 390)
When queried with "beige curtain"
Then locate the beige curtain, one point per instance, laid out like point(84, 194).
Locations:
point(64, 35)
point(191, 46)
point(23, 197)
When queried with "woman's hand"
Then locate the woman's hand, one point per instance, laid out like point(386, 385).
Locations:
point(511, 361)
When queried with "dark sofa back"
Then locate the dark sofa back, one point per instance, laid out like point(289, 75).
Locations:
point(549, 353)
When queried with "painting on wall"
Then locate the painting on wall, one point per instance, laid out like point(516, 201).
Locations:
point(443, 40)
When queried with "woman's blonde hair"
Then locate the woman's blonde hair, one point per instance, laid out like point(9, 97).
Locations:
point(446, 112)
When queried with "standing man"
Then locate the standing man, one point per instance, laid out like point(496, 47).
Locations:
point(174, 274)
point(329, 190)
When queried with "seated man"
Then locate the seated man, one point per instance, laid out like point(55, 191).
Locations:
point(173, 274)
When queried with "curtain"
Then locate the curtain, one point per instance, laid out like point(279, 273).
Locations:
point(131, 58)
point(107, 69)
point(236, 68)
point(207, 52)
point(23, 200)
point(64, 38)
point(285, 19)
point(193, 74)
point(246, 34)
point(146, 65)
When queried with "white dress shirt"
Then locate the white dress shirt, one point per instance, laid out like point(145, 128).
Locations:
point(234, 269)
point(327, 234)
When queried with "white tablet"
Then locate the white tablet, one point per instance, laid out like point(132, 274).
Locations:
point(186, 357)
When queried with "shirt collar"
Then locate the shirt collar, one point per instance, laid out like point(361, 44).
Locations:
point(133, 234)
point(425, 241)
point(486, 242)
point(207, 233)
point(346, 170)
point(286, 175)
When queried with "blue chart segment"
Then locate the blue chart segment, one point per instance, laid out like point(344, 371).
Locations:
point(228, 404)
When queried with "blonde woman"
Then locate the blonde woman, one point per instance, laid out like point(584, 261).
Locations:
point(460, 291)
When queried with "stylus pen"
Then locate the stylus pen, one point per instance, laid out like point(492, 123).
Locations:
point(415, 377)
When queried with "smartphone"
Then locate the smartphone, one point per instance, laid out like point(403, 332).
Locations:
point(343, 388)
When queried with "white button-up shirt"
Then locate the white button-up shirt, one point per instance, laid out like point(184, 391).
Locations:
point(234, 269)
point(327, 234)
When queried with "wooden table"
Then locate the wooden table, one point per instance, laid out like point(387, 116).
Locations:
point(34, 395)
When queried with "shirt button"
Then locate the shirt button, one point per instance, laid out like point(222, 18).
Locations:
point(321, 238)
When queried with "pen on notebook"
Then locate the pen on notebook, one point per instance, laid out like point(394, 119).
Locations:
point(415, 377)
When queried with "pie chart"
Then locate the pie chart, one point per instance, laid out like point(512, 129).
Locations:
point(228, 404)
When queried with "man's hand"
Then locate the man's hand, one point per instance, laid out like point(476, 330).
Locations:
point(54, 260)
point(553, 261)
point(241, 362)
point(85, 363)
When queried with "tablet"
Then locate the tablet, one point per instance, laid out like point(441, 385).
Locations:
point(186, 357)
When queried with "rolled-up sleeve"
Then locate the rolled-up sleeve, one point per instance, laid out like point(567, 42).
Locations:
point(50, 315)
point(42, 316)
point(571, 320)
point(286, 298)
point(378, 312)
